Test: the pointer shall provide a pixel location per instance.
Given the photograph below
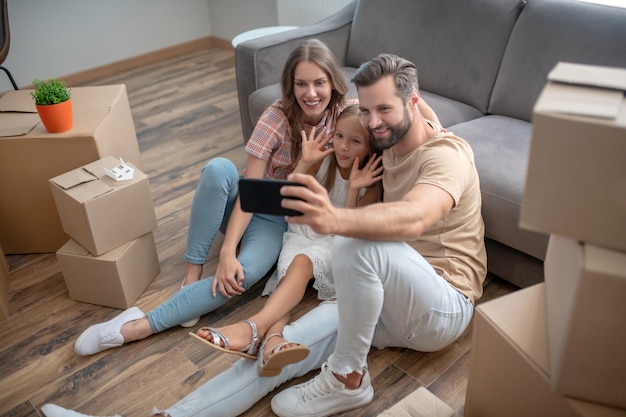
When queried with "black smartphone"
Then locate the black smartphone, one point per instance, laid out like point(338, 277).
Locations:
point(263, 196)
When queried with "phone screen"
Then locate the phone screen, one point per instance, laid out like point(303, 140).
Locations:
point(263, 196)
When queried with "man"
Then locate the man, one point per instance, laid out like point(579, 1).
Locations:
point(416, 263)
point(408, 270)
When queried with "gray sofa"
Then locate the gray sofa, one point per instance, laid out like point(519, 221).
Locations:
point(482, 65)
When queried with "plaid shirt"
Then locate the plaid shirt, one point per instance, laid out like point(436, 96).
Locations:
point(270, 140)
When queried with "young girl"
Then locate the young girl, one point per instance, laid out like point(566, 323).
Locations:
point(305, 254)
point(313, 91)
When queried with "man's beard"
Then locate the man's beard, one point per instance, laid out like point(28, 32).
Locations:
point(397, 132)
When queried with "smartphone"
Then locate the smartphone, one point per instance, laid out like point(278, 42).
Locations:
point(263, 196)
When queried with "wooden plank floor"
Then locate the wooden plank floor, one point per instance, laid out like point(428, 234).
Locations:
point(185, 111)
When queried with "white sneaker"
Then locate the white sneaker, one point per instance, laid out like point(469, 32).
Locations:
point(51, 410)
point(192, 322)
point(322, 396)
point(105, 335)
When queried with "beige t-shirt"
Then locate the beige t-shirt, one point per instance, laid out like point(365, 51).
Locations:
point(454, 246)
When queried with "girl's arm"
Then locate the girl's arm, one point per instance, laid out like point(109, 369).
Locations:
point(313, 152)
point(373, 194)
point(229, 274)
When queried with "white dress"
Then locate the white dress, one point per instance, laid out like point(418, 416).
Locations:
point(301, 239)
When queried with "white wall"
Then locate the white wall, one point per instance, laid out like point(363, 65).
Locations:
point(62, 37)
point(306, 12)
point(231, 17)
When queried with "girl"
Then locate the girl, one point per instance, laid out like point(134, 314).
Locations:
point(305, 254)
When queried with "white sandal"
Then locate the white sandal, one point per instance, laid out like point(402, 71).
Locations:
point(279, 356)
point(248, 352)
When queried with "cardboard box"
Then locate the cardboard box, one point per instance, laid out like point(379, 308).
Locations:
point(509, 371)
point(99, 212)
point(585, 290)
point(420, 403)
point(115, 279)
point(30, 156)
point(576, 180)
point(4, 287)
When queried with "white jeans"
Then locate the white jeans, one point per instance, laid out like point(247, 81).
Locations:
point(387, 294)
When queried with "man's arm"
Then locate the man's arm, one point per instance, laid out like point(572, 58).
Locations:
point(403, 220)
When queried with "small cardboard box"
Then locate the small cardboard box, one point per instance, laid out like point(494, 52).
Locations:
point(99, 212)
point(420, 403)
point(585, 290)
point(4, 287)
point(576, 180)
point(115, 279)
point(30, 156)
point(509, 371)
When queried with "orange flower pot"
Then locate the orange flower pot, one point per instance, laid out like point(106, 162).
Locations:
point(56, 118)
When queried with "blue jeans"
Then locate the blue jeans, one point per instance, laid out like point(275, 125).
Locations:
point(387, 295)
point(212, 205)
point(238, 388)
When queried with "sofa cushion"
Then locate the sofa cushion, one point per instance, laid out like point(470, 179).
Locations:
point(549, 31)
point(450, 112)
point(501, 146)
point(458, 59)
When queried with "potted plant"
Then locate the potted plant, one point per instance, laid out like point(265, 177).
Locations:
point(54, 104)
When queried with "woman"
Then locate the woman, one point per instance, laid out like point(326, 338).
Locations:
point(313, 92)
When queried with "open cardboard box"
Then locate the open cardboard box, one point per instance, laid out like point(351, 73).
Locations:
point(100, 212)
point(576, 180)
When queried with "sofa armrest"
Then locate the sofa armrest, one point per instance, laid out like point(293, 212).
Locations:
point(259, 62)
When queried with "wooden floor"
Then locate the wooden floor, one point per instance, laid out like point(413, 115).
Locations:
point(185, 112)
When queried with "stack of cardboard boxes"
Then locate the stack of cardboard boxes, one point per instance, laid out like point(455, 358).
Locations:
point(557, 348)
point(30, 156)
point(106, 208)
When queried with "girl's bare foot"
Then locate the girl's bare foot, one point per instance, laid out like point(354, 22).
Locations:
point(273, 342)
point(278, 353)
point(214, 338)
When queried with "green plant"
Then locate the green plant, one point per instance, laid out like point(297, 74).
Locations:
point(48, 92)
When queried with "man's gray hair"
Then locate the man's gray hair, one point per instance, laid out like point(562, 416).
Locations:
point(403, 71)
